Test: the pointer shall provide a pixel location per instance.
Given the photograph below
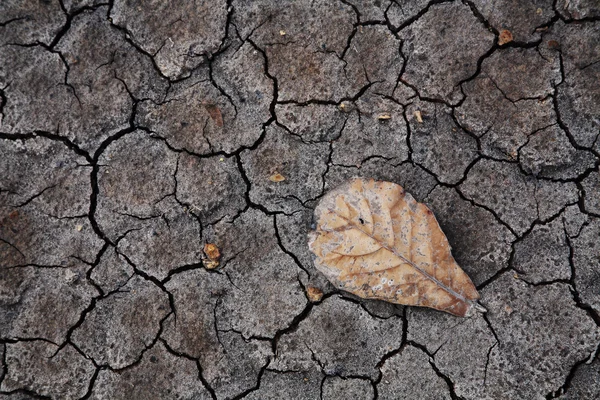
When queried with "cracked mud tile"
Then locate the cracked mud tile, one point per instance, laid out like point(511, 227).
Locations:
point(37, 98)
point(509, 100)
point(312, 122)
point(179, 37)
point(584, 384)
point(99, 56)
point(103, 70)
point(74, 5)
point(460, 347)
point(541, 334)
point(137, 206)
point(520, 18)
point(166, 242)
point(376, 129)
point(252, 260)
point(517, 199)
point(303, 57)
point(373, 56)
point(212, 187)
point(123, 324)
point(297, 385)
point(371, 10)
point(409, 375)
point(302, 165)
point(586, 261)
point(303, 22)
point(230, 364)
point(159, 375)
point(30, 22)
point(401, 13)
point(305, 73)
point(44, 174)
point(549, 154)
point(591, 189)
point(47, 370)
point(503, 126)
point(292, 231)
point(103, 104)
point(480, 244)
point(42, 303)
point(552, 197)
point(77, 93)
point(411, 177)
point(573, 220)
point(187, 119)
point(338, 388)
point(578, 9)
point(112, 271)
point(44, 196)
point(341, 338)
point(543, 255)
point(437, 143)
point(577, 97)
point(522, 73)
point(442, 49)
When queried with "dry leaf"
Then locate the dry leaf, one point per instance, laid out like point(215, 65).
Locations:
point(214, 112)
point(374, 240)
point(505, 37)
point(383, 117)
point(277, 177)
point(314, 294)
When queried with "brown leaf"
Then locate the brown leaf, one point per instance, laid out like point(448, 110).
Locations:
point(505, 37)
point(374, 240)
point(214, 112)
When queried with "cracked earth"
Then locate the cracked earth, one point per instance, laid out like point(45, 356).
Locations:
point(116, 168)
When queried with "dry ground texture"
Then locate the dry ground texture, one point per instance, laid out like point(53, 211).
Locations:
point(134, 132)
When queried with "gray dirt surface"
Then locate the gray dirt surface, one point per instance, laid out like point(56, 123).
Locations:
point(133, 133)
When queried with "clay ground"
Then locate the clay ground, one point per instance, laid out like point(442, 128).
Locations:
point(133, 133)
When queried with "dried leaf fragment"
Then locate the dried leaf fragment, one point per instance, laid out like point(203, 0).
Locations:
point(213, 255)
point(505, 37)
point(314, 294)
point(384, 117)
point(374, 240)
point(208, 264)
point(212, 251)
point(214, 112)
point(277, 177)
point(418, 116)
